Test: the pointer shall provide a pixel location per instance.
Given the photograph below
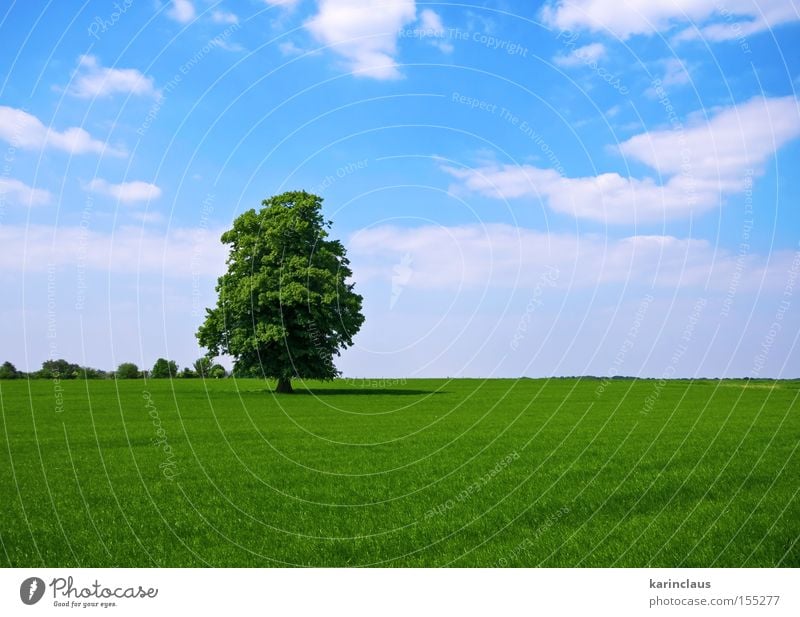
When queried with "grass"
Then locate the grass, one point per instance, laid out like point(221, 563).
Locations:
point(423, 473)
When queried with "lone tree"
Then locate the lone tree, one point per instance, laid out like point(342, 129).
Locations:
point(285, 307)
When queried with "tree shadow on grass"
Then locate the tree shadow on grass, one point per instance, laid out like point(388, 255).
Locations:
point(363, 392)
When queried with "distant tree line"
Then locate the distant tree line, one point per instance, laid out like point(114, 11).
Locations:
point(162, 369)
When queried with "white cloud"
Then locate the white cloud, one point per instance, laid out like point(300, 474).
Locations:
point(676, 73)
point(607, 197)
point(283, 3)
point(721, 150)
point(697, 165)
point(26, 131)
point(289, 48)
point(181, 11)
point(625, 18)
point(503, 256)
point(127, 192)
point(150, 217)
point(179, 253)
point(582, 55)
point(224, 44)
point(366, 37)
point(90, 80)
point(431, 28)
point(430, 21)
point(16, 192)
point(224, 17)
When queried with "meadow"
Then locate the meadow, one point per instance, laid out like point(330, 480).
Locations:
point(554, 473)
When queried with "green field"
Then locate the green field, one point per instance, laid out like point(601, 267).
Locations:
point(421, 473)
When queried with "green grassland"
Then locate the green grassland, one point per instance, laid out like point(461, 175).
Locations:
point(555, 473)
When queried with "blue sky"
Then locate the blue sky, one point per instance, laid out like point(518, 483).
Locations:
point(524, 188)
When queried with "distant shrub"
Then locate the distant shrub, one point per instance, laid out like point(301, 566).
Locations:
point(218, 372)
point(59, 369)
point(8, 371)
point(164, 368)
point(127, 370)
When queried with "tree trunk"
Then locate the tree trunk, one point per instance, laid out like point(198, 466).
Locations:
point(284, 385)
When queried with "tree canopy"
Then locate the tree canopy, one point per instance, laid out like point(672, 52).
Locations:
point(285, 306)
